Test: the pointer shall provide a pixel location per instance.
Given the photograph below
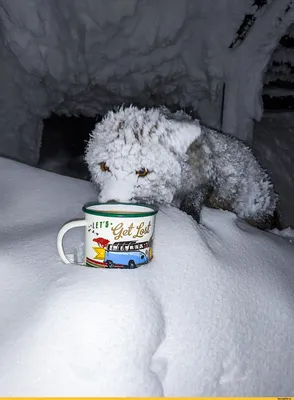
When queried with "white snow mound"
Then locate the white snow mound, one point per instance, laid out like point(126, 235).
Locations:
point(211, 315)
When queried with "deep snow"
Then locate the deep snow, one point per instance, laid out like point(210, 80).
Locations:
point(211, 315)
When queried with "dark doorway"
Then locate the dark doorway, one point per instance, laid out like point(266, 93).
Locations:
point(63, 144)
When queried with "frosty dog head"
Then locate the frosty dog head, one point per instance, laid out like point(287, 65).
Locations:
point(136, 154)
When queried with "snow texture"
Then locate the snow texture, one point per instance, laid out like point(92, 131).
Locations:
point(85, 57)
point(286, 233)
point(211, 315)
point(183, 160)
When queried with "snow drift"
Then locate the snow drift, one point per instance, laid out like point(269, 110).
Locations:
point(84, 57)
point(211, 315)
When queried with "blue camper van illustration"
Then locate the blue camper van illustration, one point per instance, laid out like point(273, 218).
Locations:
point(129, 254)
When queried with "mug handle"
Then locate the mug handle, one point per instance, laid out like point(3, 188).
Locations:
point(66, 227)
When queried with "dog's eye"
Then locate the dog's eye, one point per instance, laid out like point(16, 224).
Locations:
point(143, 172)
point(104, 167)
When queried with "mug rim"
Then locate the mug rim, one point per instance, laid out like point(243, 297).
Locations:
point(120, 215)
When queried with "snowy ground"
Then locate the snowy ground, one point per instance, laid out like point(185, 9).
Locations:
point(211, 315)
point(274, 146)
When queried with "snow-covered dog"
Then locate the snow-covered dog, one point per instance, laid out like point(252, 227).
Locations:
point(156, 156)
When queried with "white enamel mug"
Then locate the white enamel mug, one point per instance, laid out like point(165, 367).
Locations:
point(117, 235)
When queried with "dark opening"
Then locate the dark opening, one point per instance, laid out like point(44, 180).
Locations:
point(278, 103)
point(273, 141)
point(63, 144)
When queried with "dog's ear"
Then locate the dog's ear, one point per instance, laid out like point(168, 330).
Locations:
point(179, 135)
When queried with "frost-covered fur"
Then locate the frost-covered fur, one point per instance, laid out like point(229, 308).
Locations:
point(189, 165)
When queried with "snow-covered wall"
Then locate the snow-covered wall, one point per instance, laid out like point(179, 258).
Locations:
point(86, 56)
